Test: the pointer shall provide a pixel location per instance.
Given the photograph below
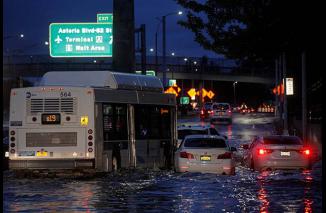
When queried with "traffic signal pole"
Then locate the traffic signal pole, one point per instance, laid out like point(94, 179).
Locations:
point(276, 84)
point(285, 113)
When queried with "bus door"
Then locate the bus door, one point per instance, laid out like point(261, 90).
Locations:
point(153, 135)
point(115, 135)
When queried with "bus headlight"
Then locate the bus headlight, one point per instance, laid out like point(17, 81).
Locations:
point(7, 154)
point(74, 154)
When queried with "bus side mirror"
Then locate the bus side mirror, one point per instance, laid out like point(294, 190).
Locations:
point(245, 146)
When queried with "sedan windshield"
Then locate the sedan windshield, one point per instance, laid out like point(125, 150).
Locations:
point(183, 133)
point(205, 143)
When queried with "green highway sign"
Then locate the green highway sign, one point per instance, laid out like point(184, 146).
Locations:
point(184, 100)
point(172, 82)
point(80, 39)
point(148, 72)
point(105, 18)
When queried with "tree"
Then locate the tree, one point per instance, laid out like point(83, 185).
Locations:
point(252, 31)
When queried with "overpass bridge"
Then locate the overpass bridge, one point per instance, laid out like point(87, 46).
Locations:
point(213, 76)
point(31, 67)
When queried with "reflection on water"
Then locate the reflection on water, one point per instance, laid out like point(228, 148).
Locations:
point(146, 191)
point(262, 196)
point(171, 192)
point(296, 191)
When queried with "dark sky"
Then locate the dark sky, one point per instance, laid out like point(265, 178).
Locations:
point(32, 18)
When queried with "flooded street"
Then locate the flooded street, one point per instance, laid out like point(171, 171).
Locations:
point(167, 191)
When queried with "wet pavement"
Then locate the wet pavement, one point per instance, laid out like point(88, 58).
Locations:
point(167, 191)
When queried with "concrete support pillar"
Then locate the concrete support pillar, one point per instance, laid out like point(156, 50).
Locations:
point(123, 36)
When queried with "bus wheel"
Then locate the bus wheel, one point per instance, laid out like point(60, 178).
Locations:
point(252, 165)
point(114, 164)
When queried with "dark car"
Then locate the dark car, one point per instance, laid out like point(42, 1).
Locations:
point(206, 110)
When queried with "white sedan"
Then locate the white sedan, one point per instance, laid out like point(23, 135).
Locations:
point(277, 152)
point(205, 153)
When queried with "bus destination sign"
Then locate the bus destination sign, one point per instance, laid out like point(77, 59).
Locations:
point(81, 39)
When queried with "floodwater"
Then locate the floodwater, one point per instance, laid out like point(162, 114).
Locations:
point(167, 191)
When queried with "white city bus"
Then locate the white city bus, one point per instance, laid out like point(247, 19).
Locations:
point(92, 119)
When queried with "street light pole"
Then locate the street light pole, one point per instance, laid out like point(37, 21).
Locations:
point(164, 44)
point(164, 51)
point(234, 83)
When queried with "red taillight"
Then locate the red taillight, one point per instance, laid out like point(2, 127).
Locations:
point(202, 112)
point(264, 151)
point(186, 155)
point(226, 155)
point(306, 152)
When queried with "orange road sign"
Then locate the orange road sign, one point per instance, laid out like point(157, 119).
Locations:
point(171, 90)
point(204, 93)
point(192, 92)
point(210, 94)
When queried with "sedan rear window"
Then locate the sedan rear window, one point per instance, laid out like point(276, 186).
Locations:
point(221, 107)
point(183, 133)
point(283, 140)
point(205, 143)
point(208, 106)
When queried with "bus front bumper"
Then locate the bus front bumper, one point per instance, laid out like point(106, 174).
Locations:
point(51, 164)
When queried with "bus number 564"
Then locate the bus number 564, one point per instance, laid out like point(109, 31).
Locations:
point(65, 94)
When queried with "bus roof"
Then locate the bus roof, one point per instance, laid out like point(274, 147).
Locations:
point(108, 79)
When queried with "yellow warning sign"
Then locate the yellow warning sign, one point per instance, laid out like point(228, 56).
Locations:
point(210, 94)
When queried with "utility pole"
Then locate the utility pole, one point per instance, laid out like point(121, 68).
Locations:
point(285, 114)
point(156, 56)
point(143, 48)
point(304, 98)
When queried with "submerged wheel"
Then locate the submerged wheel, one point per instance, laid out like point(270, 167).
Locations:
point(114, 164)
point(252, 166)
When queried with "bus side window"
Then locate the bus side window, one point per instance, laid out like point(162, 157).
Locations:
point(152, 122)
point(166, 123)
point(155, 123)
point(141, 122)
point(115, 122)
